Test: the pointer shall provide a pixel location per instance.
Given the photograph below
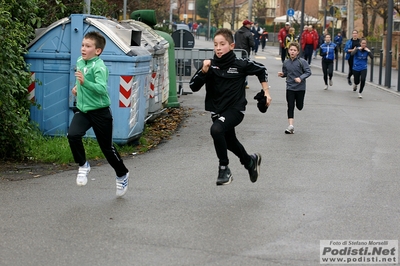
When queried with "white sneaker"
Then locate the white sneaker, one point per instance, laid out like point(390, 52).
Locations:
point(83, 171)
point(326, 87)
point(330, 82)
point(360, 96)
point(122, 185)
point(290, 129)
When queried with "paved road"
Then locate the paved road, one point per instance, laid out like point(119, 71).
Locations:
point(335, 178)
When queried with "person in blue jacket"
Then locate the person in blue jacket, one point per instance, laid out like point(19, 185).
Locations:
point(338, 40)
point(329, 52)
point(350, 45)
point(360, 65)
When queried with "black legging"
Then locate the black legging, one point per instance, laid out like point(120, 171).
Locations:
point(350, 61)
point(224, 136)
point(360, 77)
point(294, 98)
point(327, 69)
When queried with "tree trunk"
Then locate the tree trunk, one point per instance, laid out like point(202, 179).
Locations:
point(365, 18)
point(372, 24)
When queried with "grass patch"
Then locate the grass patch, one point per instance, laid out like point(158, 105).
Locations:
point(56, 150)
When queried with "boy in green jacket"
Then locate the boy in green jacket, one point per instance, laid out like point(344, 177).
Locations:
point(93, 111)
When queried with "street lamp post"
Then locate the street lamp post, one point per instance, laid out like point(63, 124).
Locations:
point(124, 13)
point(302, 20)
point(233, 15)
point(325, 14)
point(388, 69)
point(209, 19)
point(170, 14)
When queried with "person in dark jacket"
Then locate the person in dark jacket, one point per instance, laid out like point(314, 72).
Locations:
point(295, 70)
point(225, 79)
point(244, 38)
point(329, 53)
point(257, 31)
point(360, 64)
point(264, 39)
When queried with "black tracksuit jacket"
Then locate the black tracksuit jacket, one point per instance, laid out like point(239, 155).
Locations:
point(226, 87)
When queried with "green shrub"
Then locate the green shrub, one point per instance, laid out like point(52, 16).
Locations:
point(15, 33)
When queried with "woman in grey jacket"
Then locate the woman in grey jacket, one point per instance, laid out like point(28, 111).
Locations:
point(295, 70)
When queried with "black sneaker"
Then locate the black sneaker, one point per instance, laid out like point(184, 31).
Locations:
point(255, 170)
point(224, 176)
point(349, 81)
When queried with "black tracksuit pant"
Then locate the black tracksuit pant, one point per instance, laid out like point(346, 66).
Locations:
point(101, 121)
point(327, 69)
point(224, 136)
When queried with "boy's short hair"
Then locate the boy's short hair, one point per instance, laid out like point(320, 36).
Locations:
point(226, 33)
point(295, 44)
point(99, 40)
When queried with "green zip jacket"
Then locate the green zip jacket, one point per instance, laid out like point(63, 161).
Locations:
point(92, 94)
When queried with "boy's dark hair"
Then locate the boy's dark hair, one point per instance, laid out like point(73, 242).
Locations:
point(226, 33)
point(295, 44)
point(99, 40)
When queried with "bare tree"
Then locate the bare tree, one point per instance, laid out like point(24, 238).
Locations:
point(380, 8)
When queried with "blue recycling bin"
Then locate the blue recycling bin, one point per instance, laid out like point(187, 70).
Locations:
point(52, 57)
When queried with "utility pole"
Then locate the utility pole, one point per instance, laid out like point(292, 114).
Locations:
point(86, 7)
point(302, 20)
point(350, 18)
point(250, 11)
point(287, 7)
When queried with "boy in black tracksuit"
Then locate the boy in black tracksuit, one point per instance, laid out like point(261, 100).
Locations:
point(225, 79)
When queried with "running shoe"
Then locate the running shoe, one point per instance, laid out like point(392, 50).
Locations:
point(83, 171)
point(122, 184)
point(224, 176)
point(290, 130)
point(254, 171)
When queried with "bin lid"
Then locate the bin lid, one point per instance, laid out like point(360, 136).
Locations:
point(39, 33)
point(149, 35)
point(118, 34)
